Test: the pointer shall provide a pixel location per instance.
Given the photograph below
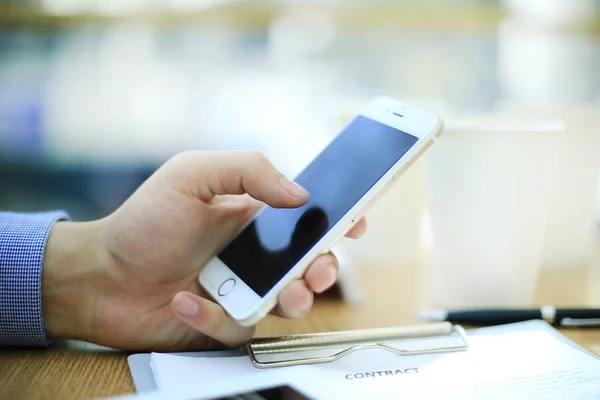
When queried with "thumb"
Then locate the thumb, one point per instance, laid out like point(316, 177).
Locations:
point(209, 319)
point(206, 174)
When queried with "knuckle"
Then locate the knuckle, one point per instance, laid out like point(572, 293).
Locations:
point(259, 158)
point(182, 157)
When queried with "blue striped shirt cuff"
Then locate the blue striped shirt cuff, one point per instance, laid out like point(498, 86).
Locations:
point(23, 239)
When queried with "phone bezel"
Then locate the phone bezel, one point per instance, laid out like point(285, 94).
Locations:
point(246, 306)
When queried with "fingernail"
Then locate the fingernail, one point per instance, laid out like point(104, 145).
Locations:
point(187, 306)
point(293, 188)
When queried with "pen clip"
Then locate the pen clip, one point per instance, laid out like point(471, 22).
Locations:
point(580, 322)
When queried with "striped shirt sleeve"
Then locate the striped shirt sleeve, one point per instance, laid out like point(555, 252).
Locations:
point(23, 239)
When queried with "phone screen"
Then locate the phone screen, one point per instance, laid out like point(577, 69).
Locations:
point(336, 179)
point(275, 393)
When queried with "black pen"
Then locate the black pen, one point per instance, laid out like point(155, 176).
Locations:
point(497, 316)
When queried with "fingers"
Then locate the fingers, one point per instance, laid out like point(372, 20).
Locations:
point(322, 274)
point(209, 319)
point(295, 300)
point(358, 229)
point(207, 174)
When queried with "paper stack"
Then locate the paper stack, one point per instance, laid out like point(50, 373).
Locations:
point(527, 360)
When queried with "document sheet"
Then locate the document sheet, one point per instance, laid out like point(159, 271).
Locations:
point(518, 361)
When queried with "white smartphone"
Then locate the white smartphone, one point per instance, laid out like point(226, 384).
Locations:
point(344, 181)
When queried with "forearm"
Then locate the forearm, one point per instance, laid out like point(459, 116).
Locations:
point(70, 280)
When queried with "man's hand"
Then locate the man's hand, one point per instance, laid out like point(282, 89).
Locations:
point(129, 281)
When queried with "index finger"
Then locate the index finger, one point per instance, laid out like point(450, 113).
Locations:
point(206, 174)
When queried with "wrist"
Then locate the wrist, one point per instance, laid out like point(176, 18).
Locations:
point(69, 273)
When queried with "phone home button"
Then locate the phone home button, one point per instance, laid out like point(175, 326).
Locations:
point(226, 287)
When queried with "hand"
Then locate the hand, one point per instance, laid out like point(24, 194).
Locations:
point(129, 281)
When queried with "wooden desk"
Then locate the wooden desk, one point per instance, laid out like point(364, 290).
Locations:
point(393, 297)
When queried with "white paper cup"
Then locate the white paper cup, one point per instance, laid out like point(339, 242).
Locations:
point(571, 231)
point(488, 195)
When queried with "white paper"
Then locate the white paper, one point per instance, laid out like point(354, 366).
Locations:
point(499, 364)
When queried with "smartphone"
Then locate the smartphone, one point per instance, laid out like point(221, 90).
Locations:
point(284, 392)
point(359, 165)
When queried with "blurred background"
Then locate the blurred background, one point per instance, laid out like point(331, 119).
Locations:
point(96, 94)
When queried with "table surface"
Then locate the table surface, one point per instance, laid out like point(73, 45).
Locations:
point(392, 296)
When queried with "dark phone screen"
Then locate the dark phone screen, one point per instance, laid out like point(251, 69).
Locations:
point(337, 179)
point(276, 393)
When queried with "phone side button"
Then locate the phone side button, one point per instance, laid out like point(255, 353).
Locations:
point(400, 171)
